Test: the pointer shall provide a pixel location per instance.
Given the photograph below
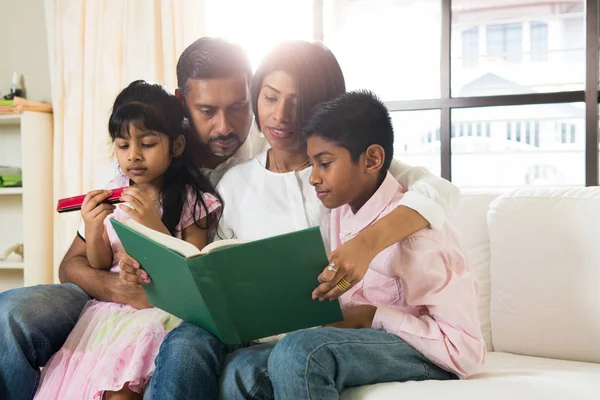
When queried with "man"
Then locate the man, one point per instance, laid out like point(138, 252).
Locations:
point(213, 78)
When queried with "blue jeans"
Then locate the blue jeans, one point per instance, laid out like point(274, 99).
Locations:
point(320, 363)
point(188, 365)
point(34, 324)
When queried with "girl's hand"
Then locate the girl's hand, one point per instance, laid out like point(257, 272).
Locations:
point(94, 212)
point(131, 273)
point(357, 317)
point(350, 262)
point(142, 209)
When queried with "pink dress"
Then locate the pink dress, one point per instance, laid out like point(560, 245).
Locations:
point(113, 344)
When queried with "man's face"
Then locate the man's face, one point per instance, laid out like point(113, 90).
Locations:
point(219, 111)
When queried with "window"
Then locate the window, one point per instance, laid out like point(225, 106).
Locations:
point(390, 47)
point(539, 41)
point(506, 41)
point(470, 46)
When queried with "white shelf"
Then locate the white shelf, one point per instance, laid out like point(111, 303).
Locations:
point(10, 119)
point(11, 264)
point(11, 191)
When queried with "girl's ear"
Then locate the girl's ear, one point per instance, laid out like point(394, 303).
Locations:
point(178, 146)
point(374, 159)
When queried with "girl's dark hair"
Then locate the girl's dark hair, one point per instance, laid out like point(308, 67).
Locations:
point(148, 106)
point(316, 70)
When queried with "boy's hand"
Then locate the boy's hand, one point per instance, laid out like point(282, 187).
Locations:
point(94, 212)
point(142, 209)
point(357, 317)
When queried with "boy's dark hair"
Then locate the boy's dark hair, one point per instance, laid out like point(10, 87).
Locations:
point(355, 121)
point(209, 58)
point(149, 106)
point(314, 67)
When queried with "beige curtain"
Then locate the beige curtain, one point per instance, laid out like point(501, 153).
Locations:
point(97, 48)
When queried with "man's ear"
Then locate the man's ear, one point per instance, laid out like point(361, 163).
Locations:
point(180, 97)
point(178, 146)
point(374, 159)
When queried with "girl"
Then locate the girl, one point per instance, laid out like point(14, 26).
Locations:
point(110, 352)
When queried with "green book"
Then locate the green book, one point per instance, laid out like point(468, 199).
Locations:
point(238, 291)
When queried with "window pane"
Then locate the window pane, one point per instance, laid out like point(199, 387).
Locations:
point(528, 145)
point(417, 138)
point(258, 38)
point(391, 47)
point(522, 47)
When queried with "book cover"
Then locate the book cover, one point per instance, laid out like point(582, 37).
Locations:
point(241, 292)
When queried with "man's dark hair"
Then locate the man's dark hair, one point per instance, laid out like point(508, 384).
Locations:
point(355, 121)
point(209, 58)
point(314, 67)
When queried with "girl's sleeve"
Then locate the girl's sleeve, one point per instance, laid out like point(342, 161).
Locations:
point(194, 211)
point(429, 195)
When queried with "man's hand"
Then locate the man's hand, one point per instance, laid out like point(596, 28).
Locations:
point(350, 261)
point(142, 209)
point(93, 212)
point(129, 289)
point(357, 317)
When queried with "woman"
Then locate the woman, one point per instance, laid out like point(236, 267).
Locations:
point(271, 195)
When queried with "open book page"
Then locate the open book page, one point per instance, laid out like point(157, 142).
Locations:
point(182, 247)
point(179, 246)
point(220, 244)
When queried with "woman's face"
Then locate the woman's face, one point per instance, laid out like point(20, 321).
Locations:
point(277, 110)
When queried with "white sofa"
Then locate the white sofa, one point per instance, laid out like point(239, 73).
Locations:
point(536, 253)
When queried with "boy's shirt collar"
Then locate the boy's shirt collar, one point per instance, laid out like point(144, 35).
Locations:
point(352, 223)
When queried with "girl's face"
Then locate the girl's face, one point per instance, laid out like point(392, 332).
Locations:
point(145, 155)
point(277, 110)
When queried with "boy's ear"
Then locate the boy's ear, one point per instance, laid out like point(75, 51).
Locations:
point(374, 158)
point(178, 146)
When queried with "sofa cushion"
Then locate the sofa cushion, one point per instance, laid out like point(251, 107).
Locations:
point(545, 273)
point(470, 222)
point(505, 376)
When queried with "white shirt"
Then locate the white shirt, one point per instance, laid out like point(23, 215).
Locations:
point(259, 203)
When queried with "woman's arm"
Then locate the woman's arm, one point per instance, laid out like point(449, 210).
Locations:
point(427, 203)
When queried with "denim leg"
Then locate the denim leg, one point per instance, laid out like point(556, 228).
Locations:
point(188, 365)
point(320, 363)
point(34, 323)
point(245, 374)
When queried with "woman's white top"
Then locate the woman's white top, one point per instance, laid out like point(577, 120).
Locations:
point(259, 203)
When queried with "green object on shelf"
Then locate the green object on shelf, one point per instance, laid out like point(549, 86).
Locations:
point(11, 180)
point(7, 102)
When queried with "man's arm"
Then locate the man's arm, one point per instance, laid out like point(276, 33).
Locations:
point(99, 284)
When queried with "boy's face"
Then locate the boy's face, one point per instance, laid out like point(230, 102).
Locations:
point(337, 180)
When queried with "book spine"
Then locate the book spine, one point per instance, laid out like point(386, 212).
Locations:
point(212, 293)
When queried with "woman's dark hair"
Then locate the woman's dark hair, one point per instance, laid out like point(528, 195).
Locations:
point(148, 106)
point(316, 70)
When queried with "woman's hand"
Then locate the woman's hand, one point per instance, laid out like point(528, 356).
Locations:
point(357, 317)
point(142, 209)
point(350, 262)
point(94, 212)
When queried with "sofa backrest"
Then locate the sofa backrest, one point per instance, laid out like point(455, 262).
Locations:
point(545, 273)
point(470, 222)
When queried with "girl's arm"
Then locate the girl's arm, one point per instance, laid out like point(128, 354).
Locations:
point(196, 235)
point(99, 252)
point(94, 212)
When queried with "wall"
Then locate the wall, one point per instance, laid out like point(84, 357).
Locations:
point(23, 47)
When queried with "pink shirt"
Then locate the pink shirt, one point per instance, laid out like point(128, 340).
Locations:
point(189, 214)
point(423, 287)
